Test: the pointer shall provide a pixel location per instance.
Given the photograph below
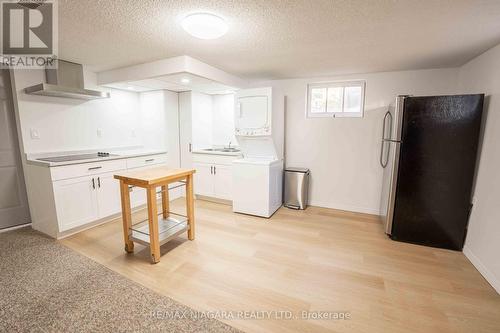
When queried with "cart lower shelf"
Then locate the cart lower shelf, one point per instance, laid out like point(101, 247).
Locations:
point(168, 229)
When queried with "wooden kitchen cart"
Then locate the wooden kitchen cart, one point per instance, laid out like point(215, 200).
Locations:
point(156, 230)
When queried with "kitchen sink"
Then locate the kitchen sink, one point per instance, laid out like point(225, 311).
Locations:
point(224, 150)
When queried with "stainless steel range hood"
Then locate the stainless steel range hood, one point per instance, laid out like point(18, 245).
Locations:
point(65, 81)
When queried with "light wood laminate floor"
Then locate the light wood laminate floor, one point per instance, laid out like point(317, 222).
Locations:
point(313, 260)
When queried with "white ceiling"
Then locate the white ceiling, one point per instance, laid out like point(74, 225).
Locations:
point(174, 82)
point(270, 39)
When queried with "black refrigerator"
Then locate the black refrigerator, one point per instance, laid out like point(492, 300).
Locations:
point(428, 151)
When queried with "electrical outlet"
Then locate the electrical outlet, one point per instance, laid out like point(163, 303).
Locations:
point(34, 134)
point(99, 133)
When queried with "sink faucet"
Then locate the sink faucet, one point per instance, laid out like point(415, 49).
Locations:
point(229, 146)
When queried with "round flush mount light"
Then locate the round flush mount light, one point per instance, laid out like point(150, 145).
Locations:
point(204, 25)
point(185, 80)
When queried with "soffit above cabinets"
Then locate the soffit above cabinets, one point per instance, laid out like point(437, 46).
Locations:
point(175, 82)
point(181, 73)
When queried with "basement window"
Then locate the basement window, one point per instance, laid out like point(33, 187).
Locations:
point(336, 99)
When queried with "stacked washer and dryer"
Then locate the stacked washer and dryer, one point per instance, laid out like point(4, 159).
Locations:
point(259, 129)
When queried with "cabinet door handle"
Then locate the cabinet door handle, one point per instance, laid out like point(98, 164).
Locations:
point(95, 168)
point(150, 160)
point(99, 182)
point(215, 170)
point(211, 170)
point(190, 147)
point(93, 183)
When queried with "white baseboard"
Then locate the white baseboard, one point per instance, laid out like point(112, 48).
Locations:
point(16, 227)
point(350, 208)
point(485, 272)
point(211, 199)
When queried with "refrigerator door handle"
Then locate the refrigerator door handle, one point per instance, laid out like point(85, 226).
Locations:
point(384, 140)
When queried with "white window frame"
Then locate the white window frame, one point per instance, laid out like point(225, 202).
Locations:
point(336, 84)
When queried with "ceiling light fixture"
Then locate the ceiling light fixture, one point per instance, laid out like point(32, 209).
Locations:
point(204, 25)
point(185, 80)
point(130, 88)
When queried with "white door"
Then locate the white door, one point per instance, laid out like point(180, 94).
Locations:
point(223, 183)
point(108, 195)
point(76, 201)
point(185, 130)
point(203, 179)
point(14, 208)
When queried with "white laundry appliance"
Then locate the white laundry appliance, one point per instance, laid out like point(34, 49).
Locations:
point(259, 129)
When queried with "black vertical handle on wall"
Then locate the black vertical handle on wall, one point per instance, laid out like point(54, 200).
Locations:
point(99, 182)
point(93, 183)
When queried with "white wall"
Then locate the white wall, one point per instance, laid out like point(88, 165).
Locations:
point(482, 246)
point(159, 116)
point(159, 122)
point(153, 119)
point(223, 120)
point(343, 153)
point(70, 124)
point(212, 119)
point(171, 101)
point(201, 112)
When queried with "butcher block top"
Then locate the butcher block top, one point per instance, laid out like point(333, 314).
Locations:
point(154, 176)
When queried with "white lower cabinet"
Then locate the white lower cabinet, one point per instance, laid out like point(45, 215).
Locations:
point(213, 180)
point(223, 183)
point(76, 202)
point(108, 195)
point(81, 199)
point(86, 199)
point(137, 196)
point(203, 179)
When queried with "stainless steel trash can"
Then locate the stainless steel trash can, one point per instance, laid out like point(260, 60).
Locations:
point(296, 187)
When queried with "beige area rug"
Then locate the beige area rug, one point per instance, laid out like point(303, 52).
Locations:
point(46, 287)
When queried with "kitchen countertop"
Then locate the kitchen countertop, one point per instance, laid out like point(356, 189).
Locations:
point(211, 152)
point(121, 154)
